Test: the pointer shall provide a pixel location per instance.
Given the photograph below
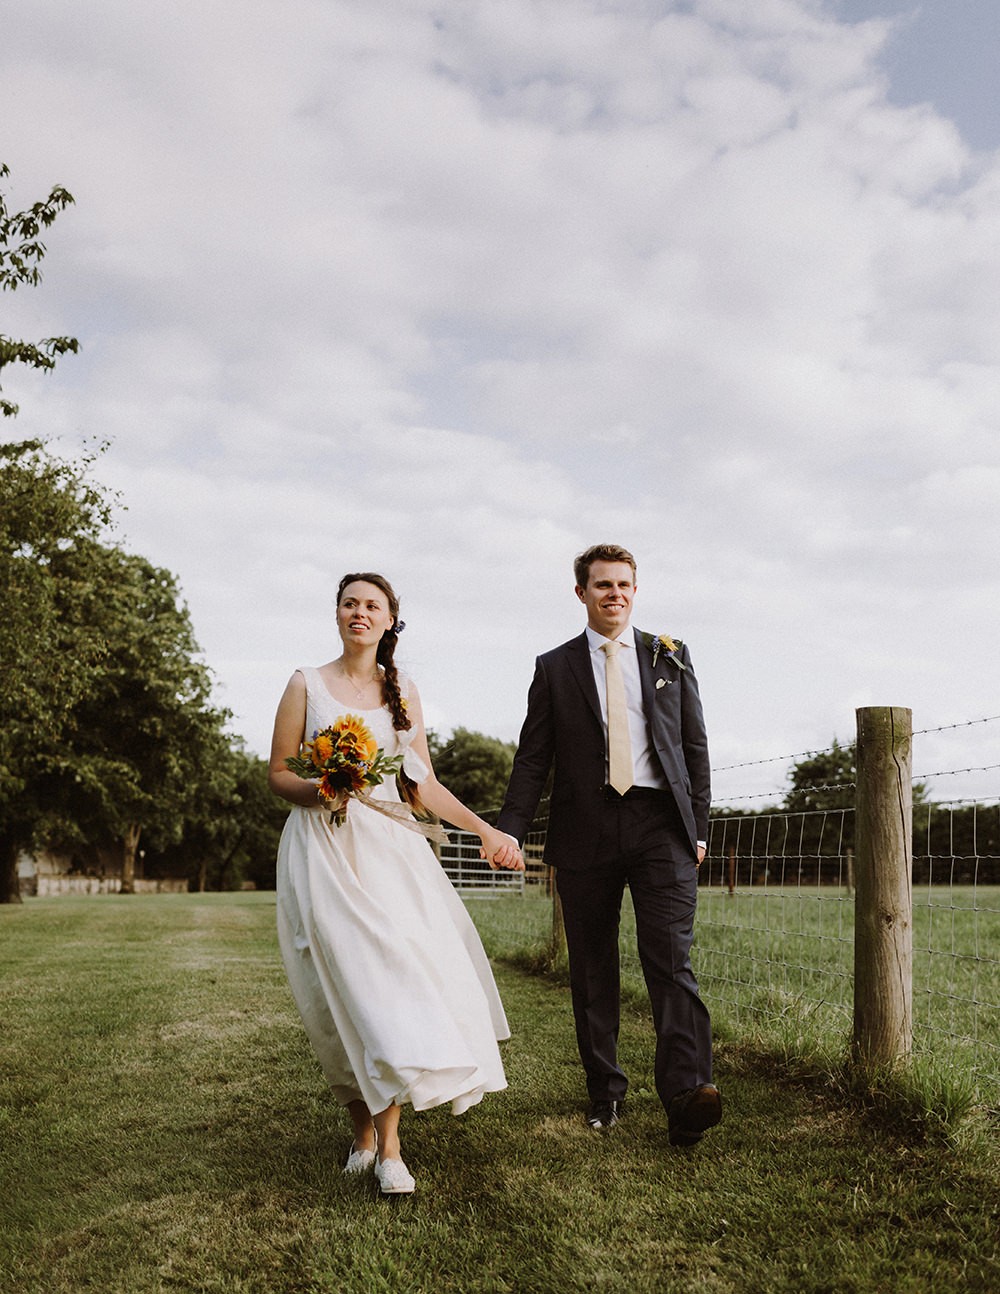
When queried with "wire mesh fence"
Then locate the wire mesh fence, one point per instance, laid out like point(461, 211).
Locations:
point(775, 923)
point(775, 928)
point(956, 942)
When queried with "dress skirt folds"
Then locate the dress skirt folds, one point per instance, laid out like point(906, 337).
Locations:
point(385, 965)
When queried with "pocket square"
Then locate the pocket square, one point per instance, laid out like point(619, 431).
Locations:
point(660, 682)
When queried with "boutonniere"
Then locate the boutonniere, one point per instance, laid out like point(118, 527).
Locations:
point(669, 645)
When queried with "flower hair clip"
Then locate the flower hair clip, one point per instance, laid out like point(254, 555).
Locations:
point(398, 627)
point(671, 647)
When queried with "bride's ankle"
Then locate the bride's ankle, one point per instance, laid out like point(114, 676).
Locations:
point(365, 1140)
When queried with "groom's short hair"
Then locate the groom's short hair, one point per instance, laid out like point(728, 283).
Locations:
point(600, 553)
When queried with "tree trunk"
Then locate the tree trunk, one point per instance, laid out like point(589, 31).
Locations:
point(129, 843)
point(227, 861)
point(10, 885)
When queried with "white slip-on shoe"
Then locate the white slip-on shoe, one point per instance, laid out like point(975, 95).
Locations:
point(394, 1177)
point(359, 1161)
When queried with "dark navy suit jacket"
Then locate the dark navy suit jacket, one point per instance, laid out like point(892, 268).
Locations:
point(563, 727)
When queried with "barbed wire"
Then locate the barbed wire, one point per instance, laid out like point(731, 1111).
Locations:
point(837, 746)
point(798, 790)
point(951, 772)
point(947, 727)
point(777, 759)
point(835, 786)
point(853, 786)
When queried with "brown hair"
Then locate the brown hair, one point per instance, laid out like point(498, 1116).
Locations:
point(385, 656)
point(386, 651)
point(600, 553)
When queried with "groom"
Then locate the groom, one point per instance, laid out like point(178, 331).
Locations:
point(618, 714)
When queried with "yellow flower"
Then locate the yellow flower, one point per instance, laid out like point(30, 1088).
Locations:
point(358, 781)
point(329, 786)
point(355, 740)
point(665, 643)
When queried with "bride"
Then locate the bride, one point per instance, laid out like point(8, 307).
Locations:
point(385, 965)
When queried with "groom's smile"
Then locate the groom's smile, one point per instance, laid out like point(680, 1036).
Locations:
point(608, 597)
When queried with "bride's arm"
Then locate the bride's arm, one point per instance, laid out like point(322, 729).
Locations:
point(289, 729)
point(499, 849)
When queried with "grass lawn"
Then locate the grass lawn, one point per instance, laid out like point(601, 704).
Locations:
point(782, 960)
point(164, 1127)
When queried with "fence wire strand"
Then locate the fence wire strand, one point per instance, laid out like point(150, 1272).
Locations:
point(774, 932)
point(775, 929)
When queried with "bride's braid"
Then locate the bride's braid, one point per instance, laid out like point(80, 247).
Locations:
point(385, 656)
point(390, 680)
point(386, 652)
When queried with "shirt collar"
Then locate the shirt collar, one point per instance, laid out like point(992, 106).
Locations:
point(596, 641)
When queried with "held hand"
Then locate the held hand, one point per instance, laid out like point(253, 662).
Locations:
point(501, 850)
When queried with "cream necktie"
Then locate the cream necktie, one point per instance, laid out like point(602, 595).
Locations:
point(619, 742)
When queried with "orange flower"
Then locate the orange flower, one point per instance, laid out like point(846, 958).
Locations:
point(321, 748)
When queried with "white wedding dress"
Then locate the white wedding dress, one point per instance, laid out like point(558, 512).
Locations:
point(386, 967)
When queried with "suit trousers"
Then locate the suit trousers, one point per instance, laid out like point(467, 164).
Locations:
point(642, 844)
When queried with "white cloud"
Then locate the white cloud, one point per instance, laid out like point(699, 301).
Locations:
point(455, 290)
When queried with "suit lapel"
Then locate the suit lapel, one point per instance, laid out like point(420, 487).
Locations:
point(645, 674)
point(578, 651)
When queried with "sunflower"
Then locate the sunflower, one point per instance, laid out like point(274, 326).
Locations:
point(336, 781)
point(355, 740)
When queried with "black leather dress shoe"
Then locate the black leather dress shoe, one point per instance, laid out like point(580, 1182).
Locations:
point(691, 1112)
point(604, 1114)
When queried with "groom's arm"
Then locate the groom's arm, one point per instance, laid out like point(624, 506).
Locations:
point(694, 742)
point(532, 760)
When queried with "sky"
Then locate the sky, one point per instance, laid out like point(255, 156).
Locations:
point(453, 290)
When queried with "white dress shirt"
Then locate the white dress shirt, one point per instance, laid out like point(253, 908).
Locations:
point(646, 768)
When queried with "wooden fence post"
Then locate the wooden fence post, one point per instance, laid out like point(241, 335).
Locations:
point(883, 899)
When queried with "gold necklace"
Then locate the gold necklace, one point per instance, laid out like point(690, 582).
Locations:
point(358, 691)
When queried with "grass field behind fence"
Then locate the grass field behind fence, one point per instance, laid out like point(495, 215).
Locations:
point(782, 962)
point(165, 1127)
point(778, 966)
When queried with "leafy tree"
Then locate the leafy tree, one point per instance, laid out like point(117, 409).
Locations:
point(820, 803)
point(812, 830)
point(827, 780)
point(21, 253)
point(149, 751)
point(473, 766)
point(107, 731)
point(230, 830)
point(956, 843)
point(823, 781)
point(261, 817)
point(50, 644)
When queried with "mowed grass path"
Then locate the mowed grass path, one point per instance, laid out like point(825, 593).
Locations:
point(165, 1127)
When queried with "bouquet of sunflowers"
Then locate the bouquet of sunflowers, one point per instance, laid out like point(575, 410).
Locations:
point(345, 758)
